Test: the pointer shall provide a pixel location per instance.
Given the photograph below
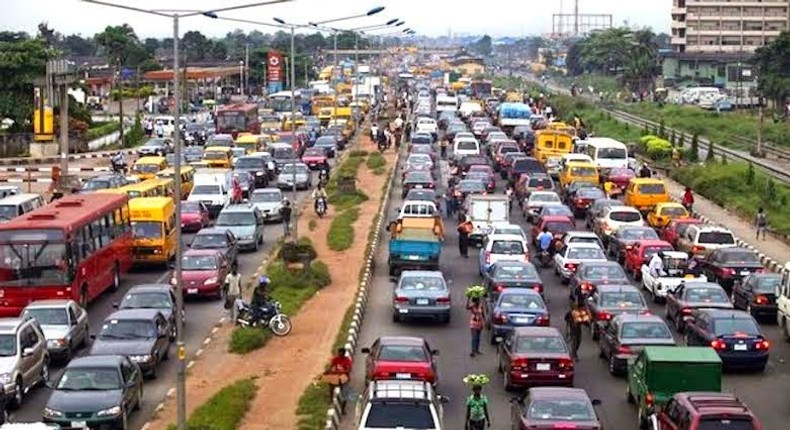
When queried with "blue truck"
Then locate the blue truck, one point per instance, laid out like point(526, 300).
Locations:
point(414, 249)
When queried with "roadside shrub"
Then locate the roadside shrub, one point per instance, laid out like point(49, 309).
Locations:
point(102, 130)
point(247, 339)
point(224, 410)
point(293, 252)
point(341, 231)
point(658, 149)
point(376, 161)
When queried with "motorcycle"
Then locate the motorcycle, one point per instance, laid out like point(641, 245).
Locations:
point(320, 207)
point(279, 323)
point(119, 168)
point(545, 259)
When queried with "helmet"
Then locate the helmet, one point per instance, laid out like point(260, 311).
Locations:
point(263, 281)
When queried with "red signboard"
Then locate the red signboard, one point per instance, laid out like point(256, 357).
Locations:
point(274, 66)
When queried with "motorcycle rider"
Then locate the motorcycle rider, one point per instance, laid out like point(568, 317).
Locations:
point(261, 304)
point(323, 176)
point(544, 240)
point(381, 139)
point(319, 193)
point(374, 131)
point(118, 162)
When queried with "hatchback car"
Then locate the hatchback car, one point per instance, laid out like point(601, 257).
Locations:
point(530, 356)
point(156, 146)
point(505, 247)
point(328, 144)
point(700, 410)
point(401, 357)
point(627, 335)
point(538, 199)
point(514, 307)
point(621, 241)
point(728, 266)
point(269, 201)
point(98, 392)
point(511, 274)
point(316, 158)
point(555, 407)
point(609, 301)
point(153, 296)
point(294, 173)
point(246, 223)
point(421, 294)
point(702, 239)
point(143, 335)
point(416, 180)
point(25, 362)
point(194, 216)
point(734, 334)
point(64, 324)
point(218, 239)
point(570, 256)
point(616, 217)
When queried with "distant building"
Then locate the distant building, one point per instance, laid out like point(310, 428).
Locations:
point(469, 66)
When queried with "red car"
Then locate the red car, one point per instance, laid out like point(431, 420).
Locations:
point(703, 410)
point(530, 356)
point(641, 252)
point(401, 357)
point(619, 176)
point(676, 228)
point(558, 225)
point(555, 408)
point(194, 216)
point(203, 272)
point(315, 158)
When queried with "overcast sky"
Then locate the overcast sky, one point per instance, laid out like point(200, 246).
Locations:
point(428, 17)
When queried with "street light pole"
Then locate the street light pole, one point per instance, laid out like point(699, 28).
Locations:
point(295, 208)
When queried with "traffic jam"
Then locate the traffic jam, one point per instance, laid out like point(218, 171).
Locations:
point(537, 278)
point(87, 294)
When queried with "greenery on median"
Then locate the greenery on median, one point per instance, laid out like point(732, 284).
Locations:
point(340, 197)
point(341, 231)
point(224, 410)
point(377, 163)
point(312, 406)
point(247, 339)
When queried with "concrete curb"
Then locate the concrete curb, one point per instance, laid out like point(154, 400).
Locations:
point(56, 160)
point(335, 413)
point(49, 169)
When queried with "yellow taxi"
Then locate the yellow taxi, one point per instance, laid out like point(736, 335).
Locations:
point(147, 167)
point(663, 213)
point(645, 193)
point(251, 143)
point(578, 171)
point(218, 156)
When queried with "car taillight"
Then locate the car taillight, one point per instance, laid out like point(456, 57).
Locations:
point(538, 288)
point(587, 287)
point(649, 399)
point(762, 345)
point(726, 271)
point(566, 364)
point(685, 311)
point(761, 270)
point(429, 186)
point(623, 349)
point(697, 248)
point(629, 246)
point(519, 364)
point(543, 320)
point(500, 319)
point(381, 375)
point(401, 300)
point(761, 300)
point(443, 300)
point(570, 266)
point(604, 316)
point(488, 257)
point(499, 288)
point(718, 345)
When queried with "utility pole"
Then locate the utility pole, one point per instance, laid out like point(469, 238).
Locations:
point(247, 67)
point(137, 88)
point(120, 100)
point(576, 18)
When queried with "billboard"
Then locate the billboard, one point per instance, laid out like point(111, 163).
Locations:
point(274, 71)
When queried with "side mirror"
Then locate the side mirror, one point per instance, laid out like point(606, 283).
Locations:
point(596, 402)
point(444, 399)
point(27, 352)
point(365, 350)
point(115, 305)
point(93, 336)
point(435, 352)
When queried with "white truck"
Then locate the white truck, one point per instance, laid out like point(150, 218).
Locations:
point(212, 187)
point(675, 265)
point(485, 212)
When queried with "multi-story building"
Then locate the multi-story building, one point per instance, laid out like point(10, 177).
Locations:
point(712, 40)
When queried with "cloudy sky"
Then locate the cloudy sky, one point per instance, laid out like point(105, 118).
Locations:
point(428, 17)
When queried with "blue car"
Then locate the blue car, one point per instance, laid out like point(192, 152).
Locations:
point(734, 334)
point(515, 307)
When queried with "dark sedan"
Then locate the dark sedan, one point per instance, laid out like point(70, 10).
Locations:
point(694, 295)
point(140, 334)
point(530, 356)
point(581, 200)
point(465, 163)
point(486, 178)
point(555, 408)
point(734, 334)
point(726, 266)
point(627, 335)
point(417, 180)
point(220, 239)
point(95, 392)
point(757, 294)
point(153, 296)
point(511, 274)
point(471, 186)
point(609, 301)
point(621, 241)
point(589, 275)
point(254, 166)
point(515, 307)
point(328, 143)
point(573, 188)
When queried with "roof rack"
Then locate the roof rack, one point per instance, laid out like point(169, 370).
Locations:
point(400, 389)
point(700, 401)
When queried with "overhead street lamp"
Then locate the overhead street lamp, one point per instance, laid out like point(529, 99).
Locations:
point(176, 15)
point(371, 12)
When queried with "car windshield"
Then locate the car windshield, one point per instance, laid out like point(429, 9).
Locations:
point(421, 177)
point(89, 379)
point(716, 238)
point(325, 141)
point(652, 189)
point(207, 241)
point(49, 316)
point(199, 262)
point(422, 283)
point(147, 229)
point(645, 330)
point(735, 326)
point(544, 344)
point(768, 284)
point(267, 197)
point(706, 295)
point(561, 410)
point(520, 301)
point(510, 272)
point(428, 196)
point(584, 171)
point(400, 414)
point(96, 184)
point(314, 152)
point(551, 210)
point(586, 254)
point(673, 211)
point(206, 189)
point(603, 272)
point(637, 234)
point(590, 194)
point(127, 329)
point(625, 216)
point(406, 353)
point(147, 300)
point(466, 146)
point(746, 257)
point(544, 197)
point(508, 247)
point(288, 169)
point(612, 153)
point(145, 168)
point(215, 155)
point(621, 299)
point(235, 219)
point(250, 163)
point(540, 183)
point(725, 423)
point(283, 153)
point(190, 207)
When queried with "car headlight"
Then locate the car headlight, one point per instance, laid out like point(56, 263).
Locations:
point(57, 343)
point(258, 173)
point(115, 410)
point(5, 378)
point(210, 281)
point(141, 358)
point(52, 413)
point(247, 237)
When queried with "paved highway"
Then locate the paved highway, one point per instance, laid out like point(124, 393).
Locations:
point(765, 392)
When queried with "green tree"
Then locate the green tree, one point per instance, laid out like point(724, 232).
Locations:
point(78, 46)
point(121, 46)
point(694, 151)
point(483, 46)
point(22, 60)
point(151, 45)
point(773, 69)
point(196, 46)
point(711, 155)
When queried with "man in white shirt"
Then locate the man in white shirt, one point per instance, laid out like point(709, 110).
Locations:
point(232, 292)
point(656, 264)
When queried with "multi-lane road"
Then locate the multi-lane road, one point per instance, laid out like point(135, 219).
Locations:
point(765, 392)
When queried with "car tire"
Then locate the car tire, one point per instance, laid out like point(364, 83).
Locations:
point(612, 368)
point(116, 278)
point(44, 372)
point(19, 395)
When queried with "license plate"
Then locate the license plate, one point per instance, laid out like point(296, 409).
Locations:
point(520, 320)
point(543, 366)
point(79, 424)
point(422, 301)
point(192, 290)
point(739, 347)
point(418, 186)
point(403, 376)
point(744, 273)
point(403, 311)
point(413, 257)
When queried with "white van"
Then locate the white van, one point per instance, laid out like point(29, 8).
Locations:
point(468, 108)
point(607, 153)
point(168, 123)
point(19, 204)
point(446, 103)
point(465, 146)
point(9, 190)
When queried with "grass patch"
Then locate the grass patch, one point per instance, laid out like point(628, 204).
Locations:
point(346, 171)
point(102, 129)
point(247, 339)
point(376, 161)
point(312, 407)
point(312, 225)
point(600, 83)
point(341, 231)
point(224, 410)
point(740, 188)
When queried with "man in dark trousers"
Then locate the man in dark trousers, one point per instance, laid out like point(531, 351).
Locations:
point(464, 230)
point(645, 172)
point(285, 211)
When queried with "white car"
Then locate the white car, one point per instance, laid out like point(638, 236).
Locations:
point(615, 217)
point(581, 237)
point(417, 159)
point(380, 407)
point(465, 146)
point(213, 195)
point(675, 264)
point(427, 125)
point(479, 126)
point(508, 228)
point(538, 199)
point(463, 135)
point(567, 259)
point(502, 247)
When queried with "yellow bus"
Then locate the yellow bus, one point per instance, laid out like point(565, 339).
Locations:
point(551, 143)
point(147, 167)
point(187, 178)
point(154, 226)
point(218, 156)
point(251, 143)
point(165, 187)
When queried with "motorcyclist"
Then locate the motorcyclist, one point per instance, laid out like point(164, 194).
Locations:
point(261, 304)
point(319, 193)
point(118, 162)
point(323, 176)
point(656, 264)
point(381, 138)
point(313, 136)
point(544, 240)
point(374, 131)
point(645, 172)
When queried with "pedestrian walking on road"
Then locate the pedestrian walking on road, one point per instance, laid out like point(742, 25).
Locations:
point(762, 223)
point(477, 410)
point(688, 200)
point(464, 230)
point(285, 212)
point(232, 292)
point(475, 324)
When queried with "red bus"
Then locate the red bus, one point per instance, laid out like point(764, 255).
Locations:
point(74, 248)
point(238, 118)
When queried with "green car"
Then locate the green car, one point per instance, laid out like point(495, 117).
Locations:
point(659, 372)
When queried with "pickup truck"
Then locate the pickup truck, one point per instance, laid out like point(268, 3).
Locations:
point(415, 243)
point(485, 211)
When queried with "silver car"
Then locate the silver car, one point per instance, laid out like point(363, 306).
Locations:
point(245, 221)
point(421, 294)
point(269, 201)
point(285, 180)
point(24, 359)
point(64, 323)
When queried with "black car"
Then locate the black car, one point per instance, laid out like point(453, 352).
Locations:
point(471, 186)
point(153, 296)
point(757, 294)
point(471, 160)
point(219, 239)
point(511, 274)
point(689, 296)
point(528, 165)
point(143, 335)
point(734, 334)
point(726, 266)
point(571, 189)
point(608, 301)
point(426, 195)
point(328, 143)
point(590, 275)
point(421, 139)
point(627, 335)
point(95, 392)
point(624, 239)
point(417, 180)
point(103, 182)
point(256, 167)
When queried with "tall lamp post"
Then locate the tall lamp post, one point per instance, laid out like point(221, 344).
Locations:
point(176, 15)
